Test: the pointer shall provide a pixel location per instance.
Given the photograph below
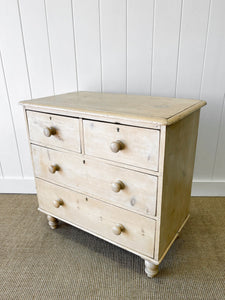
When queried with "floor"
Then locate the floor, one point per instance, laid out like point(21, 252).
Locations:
point(67, 263)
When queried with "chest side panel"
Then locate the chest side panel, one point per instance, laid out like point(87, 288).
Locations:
point(181, 138)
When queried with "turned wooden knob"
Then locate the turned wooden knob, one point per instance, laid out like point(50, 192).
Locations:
point(116, 146)
point(117, 186)
point(48, 131)
point(117, 229)
point(57, 203)
point(53, 168)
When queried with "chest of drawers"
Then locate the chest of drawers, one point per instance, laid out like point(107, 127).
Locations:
point(117, 166)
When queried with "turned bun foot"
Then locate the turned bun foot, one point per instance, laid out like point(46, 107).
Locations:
point(151, 269)
point(53, 222)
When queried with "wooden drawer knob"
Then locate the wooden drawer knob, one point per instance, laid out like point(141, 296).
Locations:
point(57, 203)
point(116, 146)
point(117, 229)
point(48, 131)
point(53, 168)
point(117, 186)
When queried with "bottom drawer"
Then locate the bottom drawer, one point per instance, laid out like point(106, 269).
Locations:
point(98, 217)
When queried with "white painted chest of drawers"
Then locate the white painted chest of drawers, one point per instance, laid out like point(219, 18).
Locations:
point(117, 166)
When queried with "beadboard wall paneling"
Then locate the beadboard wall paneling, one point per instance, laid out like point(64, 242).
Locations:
point(10, 160)
point(157, 47)
point(62, 47)
point(140, 25)
point(36, 41)
point(88, 44)
point(17, 86)
point(113, 20)
point(1, 174)
point(219, 166)
point(212, 90)
point(192, 47)
point(166, 39)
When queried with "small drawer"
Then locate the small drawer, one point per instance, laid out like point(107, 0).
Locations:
point(122, 187)
point(54, 130)
point(127, 229)
point(126, 144)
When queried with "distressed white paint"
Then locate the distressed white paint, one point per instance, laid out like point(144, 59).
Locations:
point(158, 47)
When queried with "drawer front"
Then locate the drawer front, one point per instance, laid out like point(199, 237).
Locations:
point(98, 217)
point(126, 144)
point(54, 131)
point(126, 188)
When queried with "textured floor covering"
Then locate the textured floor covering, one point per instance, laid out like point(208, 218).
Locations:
point(39, 263)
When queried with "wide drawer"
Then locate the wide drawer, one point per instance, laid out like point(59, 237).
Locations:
point(126, 144)
point(98, 217)
point(54, 130)
point(123, 187)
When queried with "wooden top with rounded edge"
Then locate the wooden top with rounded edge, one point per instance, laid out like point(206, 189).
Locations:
point(159, 110)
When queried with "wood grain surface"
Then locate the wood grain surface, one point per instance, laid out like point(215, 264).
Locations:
point(67, 133)
point(96, 178)
point(99, 217)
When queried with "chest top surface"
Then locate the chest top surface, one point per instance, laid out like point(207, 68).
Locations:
point(159, 110)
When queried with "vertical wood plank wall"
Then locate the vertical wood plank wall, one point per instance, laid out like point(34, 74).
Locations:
point(172, 48)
